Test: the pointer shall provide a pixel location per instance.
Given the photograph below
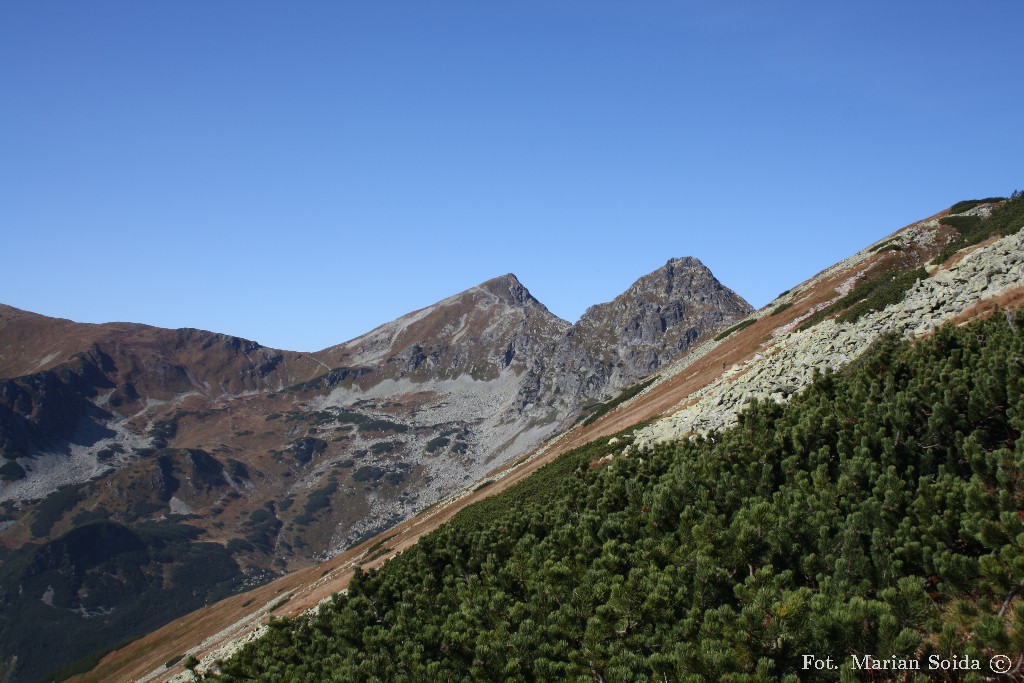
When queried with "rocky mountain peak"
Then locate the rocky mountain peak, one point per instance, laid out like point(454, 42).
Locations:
point(477, 331)
point(685, 272)
point(656, 319)
point(506, 289)
point(681, 284)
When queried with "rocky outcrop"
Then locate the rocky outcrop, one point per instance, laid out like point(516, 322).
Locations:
point(657, 320)
point(489, 329)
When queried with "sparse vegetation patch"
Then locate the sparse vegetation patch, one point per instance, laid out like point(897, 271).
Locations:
point(969, 204)
point(11, 471)
point(605, 408)
point(437, 443)
point(368, 473)
point(49, 510)
point(1005, 219)
point(305, 449)
point(735, 328)
point(382, 447)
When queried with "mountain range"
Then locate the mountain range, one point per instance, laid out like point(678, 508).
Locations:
point(146, 471)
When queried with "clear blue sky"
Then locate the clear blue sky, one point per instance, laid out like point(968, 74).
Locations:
point(298, 173)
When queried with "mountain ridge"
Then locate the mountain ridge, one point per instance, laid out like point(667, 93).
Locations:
point(282, 459)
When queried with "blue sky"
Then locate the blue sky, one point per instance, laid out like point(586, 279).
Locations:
point(298, 173)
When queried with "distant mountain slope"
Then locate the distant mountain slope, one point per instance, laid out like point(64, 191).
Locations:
point(95, 377)
point(155, 362)
point(264, 460)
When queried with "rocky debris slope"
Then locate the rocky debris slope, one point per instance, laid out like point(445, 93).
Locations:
point(789, 362)
point(104, 388)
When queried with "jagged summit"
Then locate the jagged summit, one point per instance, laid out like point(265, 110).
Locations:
point(655, 320)
point(509, 289)
point(686, 274)
point(468, 329)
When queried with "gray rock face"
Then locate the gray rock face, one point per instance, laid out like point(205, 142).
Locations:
point(495, 361)
point(498, 332)
point(483, 331)
point(655, 321)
